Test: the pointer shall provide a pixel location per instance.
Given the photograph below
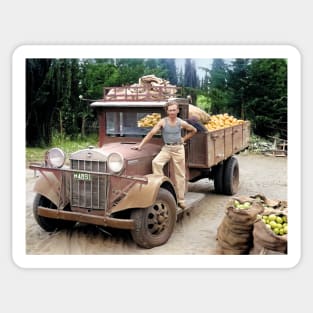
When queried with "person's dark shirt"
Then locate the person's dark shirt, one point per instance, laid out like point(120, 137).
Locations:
point(197, 124)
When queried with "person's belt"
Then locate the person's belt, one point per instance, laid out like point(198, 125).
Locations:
point(173, 143)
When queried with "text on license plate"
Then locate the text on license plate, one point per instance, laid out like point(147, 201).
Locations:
point(82, 176)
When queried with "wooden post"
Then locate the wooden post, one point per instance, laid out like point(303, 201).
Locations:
point(102, 127)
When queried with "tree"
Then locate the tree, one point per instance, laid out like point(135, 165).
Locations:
point(218, 87)
point(52, 99)
point(191, 81)
point(190, 77)
point(129, 71)
point(180, 77)
point(171, 73)
point(237, 87)
point(38, 115)
point(251, 89)
point(267, 96)
point(205, 80)
point(96, 74)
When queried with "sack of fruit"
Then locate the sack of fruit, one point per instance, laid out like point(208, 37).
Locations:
point(232, 238)
point(243, 210)
point(270, 233)
point(202, 116)
point(270, 204)
point(234, 235)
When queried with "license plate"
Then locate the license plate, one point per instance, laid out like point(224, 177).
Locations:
point(82, 176)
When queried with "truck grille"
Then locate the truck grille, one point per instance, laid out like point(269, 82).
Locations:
point(89, 190)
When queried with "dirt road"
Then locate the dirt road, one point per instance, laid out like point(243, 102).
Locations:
point(195, 233)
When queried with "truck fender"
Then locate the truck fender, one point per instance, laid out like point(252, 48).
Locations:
point(143, 196)
point(49, 186)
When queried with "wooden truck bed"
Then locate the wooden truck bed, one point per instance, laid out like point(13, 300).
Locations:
point(209, 149)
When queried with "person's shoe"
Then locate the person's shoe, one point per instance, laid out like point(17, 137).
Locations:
point(182, 205)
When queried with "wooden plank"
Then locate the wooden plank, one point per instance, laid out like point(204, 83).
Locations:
point(219, 146)
point(198, 147)
point(228, 142)
point(246, 134)
point(237, 138)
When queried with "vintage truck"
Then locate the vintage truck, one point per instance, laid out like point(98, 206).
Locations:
point(113, 186)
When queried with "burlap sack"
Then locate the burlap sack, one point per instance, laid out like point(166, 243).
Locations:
point(270, 203)
point(245, 216)
point(234, 234)
point(202, 116)
point(265, 241)
point(239, 240)
point(224, 249)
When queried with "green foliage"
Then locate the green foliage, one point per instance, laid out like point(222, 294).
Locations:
point(170, 69)
point(35, 154)
point(255, 90)
point(38, 100)
point(218, 91)
point(237, 87)
point(267, 96)
point(96, 76)
point(68, 145)
point(204, 103)
point(53, 87)
point(190, 76)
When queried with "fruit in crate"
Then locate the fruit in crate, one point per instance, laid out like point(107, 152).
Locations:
point(149, 120)
point(220, 121)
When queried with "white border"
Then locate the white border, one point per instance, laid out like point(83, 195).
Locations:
point(156, 51)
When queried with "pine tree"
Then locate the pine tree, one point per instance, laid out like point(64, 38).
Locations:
point(237, 85)
point(38, 114)
point(218, 86)
point(267, 96)
point(191, 81)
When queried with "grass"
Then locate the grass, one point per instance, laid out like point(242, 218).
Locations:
point(67, 145)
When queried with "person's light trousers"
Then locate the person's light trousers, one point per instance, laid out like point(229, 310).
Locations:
point(177, 154)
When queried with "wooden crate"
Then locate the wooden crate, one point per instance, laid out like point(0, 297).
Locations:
point(209, 149)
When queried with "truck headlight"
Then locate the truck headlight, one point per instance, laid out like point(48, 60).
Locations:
point(115, 162)
point(55, 157)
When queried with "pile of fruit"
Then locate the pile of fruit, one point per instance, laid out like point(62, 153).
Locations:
point(278, 223)
point(149, 120)
point(242, 206)
point(220, 121)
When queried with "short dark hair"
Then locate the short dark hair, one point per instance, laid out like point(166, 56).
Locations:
point(169, 103)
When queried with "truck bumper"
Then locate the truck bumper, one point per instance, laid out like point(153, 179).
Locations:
point(87, 218)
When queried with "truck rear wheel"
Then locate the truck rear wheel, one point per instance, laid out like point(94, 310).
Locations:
point(154, 225)
point(231, 176)
point(46, 223)
point(219, 178)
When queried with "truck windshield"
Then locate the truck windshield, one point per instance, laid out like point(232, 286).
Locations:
point(130, 124)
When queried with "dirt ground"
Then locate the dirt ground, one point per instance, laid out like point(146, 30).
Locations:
point(194, 233)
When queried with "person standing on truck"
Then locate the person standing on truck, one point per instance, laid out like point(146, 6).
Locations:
point(173, 147)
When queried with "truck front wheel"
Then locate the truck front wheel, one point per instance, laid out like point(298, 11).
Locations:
point(46, 223)
point(154, 225)
point(231, 176)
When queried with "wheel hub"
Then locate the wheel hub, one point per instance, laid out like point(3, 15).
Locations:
point(157, 218)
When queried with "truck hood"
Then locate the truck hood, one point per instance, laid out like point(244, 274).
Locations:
point(124, 148)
